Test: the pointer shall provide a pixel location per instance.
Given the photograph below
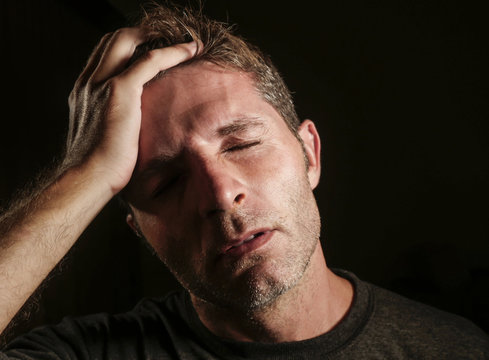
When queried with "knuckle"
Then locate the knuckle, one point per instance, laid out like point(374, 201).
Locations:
point(151, 55)
point(113, 88)
point(123, 34)
point(75, 93)
point(119, 88)
point(106, 37)
point(71, 97)
point(187, 49)
point(114, 83)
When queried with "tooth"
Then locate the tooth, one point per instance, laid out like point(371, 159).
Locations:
point(250, 238)
point(241, 243)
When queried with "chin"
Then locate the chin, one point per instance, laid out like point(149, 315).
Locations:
point(255, 289)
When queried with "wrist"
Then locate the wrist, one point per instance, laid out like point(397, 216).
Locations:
point(104, 175)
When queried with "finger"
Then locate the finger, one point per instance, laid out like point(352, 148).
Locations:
point(94, 59)
point(117, 53)
point(147, 67)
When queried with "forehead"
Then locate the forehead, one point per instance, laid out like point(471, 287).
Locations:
point(197, 90)
point(194, 101)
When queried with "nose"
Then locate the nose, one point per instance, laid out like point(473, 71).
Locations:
point(218, 187)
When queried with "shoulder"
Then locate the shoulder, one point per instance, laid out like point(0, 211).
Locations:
point(424, 327)
point(393, 326)
point(389, 305)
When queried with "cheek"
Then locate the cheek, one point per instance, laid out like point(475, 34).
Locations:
point(166, 237)
point(278, 169)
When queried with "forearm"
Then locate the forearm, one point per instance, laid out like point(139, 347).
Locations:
point(37, 233)
point(105, 120)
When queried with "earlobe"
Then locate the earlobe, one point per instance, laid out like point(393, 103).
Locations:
point(312, 147)
point(133, 225)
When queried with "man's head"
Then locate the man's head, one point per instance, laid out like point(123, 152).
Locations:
point(221, 190)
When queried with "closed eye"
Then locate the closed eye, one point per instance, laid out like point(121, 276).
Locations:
point(242, 146)
point(166, 185)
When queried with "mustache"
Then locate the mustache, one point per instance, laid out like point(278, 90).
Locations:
point(229, 225)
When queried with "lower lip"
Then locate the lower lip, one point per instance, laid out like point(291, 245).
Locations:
point(250, 246)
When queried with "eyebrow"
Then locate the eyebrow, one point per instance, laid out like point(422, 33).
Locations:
point(239, 125)
point(154, 165)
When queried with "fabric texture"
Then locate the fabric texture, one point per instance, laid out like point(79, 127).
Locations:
point(379, 325)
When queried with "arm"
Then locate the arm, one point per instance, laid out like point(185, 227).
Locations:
point(102, 146)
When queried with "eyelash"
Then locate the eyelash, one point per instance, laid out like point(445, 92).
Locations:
point(243, 146)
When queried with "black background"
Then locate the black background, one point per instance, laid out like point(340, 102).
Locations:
point(398, 90)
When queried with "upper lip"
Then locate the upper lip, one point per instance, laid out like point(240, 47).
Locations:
point(240, 240)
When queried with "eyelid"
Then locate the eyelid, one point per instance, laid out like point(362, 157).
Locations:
point(242, 145)
point(165, 185)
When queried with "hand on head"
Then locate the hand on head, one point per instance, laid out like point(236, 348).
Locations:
point(105, 103)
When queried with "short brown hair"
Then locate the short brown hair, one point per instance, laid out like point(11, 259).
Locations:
point(168, 25)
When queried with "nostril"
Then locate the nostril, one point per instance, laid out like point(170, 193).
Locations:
point(239, 199)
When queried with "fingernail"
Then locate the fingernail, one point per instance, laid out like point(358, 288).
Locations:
point(193, 46)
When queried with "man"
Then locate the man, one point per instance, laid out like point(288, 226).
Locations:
point(201, 140)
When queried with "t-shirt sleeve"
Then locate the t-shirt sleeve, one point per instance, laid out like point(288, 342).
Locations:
point(68, 340)
point(137, 334)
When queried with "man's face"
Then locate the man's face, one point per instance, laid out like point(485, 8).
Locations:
point(221, 190)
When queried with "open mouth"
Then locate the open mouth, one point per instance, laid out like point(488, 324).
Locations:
point(249, 244)
point(252, 237)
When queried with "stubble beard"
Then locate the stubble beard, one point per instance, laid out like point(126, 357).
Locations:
point(254, 289)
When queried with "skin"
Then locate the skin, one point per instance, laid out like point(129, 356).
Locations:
point(216, 164)
point(38, 230)
point(223, 193)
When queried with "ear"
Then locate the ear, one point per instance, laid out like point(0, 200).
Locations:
point(312, 147)
point(133, 225)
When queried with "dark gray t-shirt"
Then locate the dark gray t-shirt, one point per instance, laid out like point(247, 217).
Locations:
point(379, 325)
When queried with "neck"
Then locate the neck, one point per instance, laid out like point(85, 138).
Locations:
point(313, 307)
